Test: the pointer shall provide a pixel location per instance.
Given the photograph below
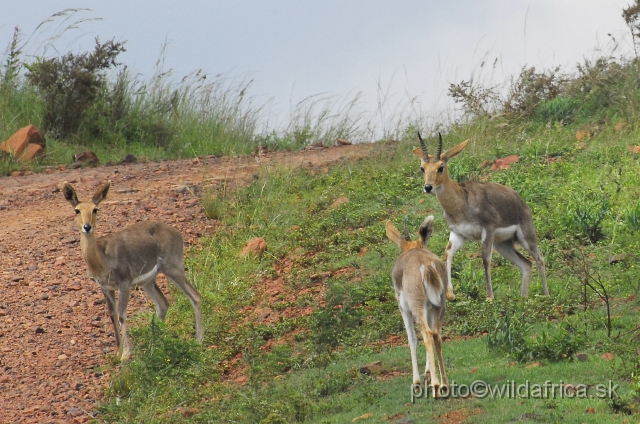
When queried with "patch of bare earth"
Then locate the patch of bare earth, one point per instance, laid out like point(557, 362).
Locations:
point(55, 334)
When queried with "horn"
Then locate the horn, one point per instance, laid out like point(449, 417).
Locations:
point(424, 148)
point(439, 151)
point(407, 237)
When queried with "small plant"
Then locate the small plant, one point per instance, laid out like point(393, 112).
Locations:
point(586, 214)
point(559, 109)
point(632, 217)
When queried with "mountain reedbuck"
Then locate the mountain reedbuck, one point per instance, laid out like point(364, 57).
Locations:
point(131, 258)
point(490, 213)
point(420, 291)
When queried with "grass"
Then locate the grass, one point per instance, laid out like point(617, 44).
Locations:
point(325, 285)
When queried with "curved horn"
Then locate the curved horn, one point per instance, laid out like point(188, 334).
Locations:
point(424, 148)
point(439, 150)
point(407, 237)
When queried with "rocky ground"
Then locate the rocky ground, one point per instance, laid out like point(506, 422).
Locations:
point(55, 334)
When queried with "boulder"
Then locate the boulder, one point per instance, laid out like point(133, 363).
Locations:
point(504, 163)
point(21, 141)
point(255, 246)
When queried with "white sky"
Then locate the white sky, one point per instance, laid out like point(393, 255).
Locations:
point(294, 49)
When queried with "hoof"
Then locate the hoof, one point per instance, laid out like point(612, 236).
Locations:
point(451, 297)
point(489, 299)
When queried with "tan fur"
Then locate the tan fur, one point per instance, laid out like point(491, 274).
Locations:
point(419, 286)
point(490, 213)
point(130, 258)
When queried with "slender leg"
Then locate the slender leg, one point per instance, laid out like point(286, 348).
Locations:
point(537, 256)
point(407, 317)
point(456, 242)
point(110, 297)
point(155, 294)
point(177, 275)
point(487, 250)
point(508, 249)
point(123, 300)
point(528, 240)
point(437, 339)
point(427, 336)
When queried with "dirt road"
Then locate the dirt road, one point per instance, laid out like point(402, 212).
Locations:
point(55, 333)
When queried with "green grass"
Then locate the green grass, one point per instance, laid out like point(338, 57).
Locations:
point(310, 373)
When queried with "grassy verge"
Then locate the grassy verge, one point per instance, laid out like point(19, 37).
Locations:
point(287, 333)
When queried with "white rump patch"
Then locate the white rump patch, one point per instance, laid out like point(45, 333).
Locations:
point(433, 295)
point(145, 277)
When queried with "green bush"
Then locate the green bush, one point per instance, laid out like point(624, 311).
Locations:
point(71, 84)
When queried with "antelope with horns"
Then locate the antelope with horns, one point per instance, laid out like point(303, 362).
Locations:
point(420, 291)
point(131, 258)
point(490, 213)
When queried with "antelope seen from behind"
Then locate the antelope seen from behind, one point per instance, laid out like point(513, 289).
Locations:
point(131, 258)
point(490, 213)
point(418, 282)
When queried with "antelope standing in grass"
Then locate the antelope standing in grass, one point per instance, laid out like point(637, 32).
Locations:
point(490, 213)
point(131, 258)
point(420, 291)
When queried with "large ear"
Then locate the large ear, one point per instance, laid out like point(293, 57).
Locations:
point(100, 195)
point(393, 234)
point(70, 194)
point(454, 151)
point(425, 230)
point(418, 152)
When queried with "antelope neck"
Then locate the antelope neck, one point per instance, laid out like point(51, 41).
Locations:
point(450, 196)
point(91, 254)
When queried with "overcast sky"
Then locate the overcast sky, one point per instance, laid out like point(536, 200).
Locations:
point(293, 49)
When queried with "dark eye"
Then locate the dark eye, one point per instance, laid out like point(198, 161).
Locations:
point(77, 211)
point(440, 169)
point(95, 210)
point(422, 169)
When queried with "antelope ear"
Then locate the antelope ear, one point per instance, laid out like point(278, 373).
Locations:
point(426, 229)
point(100, 195)
point(393, 234)
point(70, 194)
point(418, 152)
point(454, 151)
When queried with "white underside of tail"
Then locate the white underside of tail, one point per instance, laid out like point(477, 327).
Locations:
point(433, 294)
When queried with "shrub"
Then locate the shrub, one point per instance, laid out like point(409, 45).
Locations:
point(554, 343)
point(531, 89)
point(71, 84)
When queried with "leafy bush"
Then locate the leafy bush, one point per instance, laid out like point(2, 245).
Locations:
point(531, 89)
point(551, 344)
point(70, 85)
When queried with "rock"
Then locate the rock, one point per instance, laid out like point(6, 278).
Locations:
point(317, 144)
point(62, 357)
point(633, 149)
point(372, 368)
point(582, 357)
point(340, 200)
point(128, 158)
point(255, 246)
point(85, 158)
point(582, 134)
point(30, 152)
point(19, 141)
point(504, 163)
point(343, 142)
point(608, 356)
